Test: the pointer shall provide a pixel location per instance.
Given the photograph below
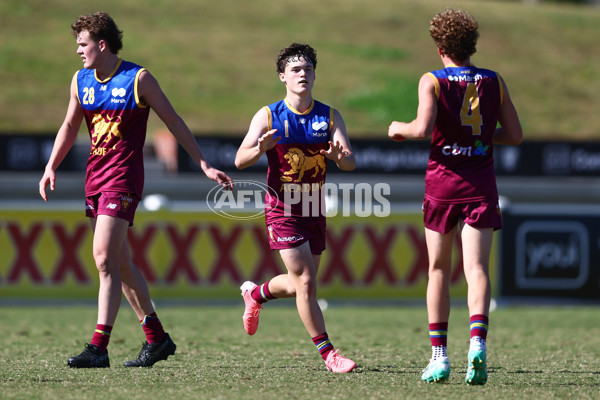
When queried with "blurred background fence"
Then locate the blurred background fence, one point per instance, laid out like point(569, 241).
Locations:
point(548, 250)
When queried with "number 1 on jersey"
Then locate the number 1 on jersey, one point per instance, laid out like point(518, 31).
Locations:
point(469, 113)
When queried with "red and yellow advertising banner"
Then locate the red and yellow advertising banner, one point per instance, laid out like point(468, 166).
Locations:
point(201, 255)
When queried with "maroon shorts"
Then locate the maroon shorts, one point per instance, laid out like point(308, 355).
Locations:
point(115, 204)
point(442, 217)
point(289, 233)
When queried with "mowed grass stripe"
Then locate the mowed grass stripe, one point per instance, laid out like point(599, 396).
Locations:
point(534, 352)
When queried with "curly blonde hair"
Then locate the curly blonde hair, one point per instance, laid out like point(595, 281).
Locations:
point(455, 34)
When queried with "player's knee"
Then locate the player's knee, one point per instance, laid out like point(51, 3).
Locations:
point(439, 269)
point(103, 264)
point(307, 285)
point(477, 272)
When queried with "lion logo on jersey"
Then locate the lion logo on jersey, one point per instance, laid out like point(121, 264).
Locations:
point(106, 128)
point(301, 163)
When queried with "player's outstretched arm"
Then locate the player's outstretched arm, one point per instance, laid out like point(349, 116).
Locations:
point(257, 141)
point(339, 149)
point(422, 126)
point(510, 131)
point(64, 140)
point(151, 93)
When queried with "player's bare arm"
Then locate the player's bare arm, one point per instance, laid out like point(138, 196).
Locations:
point(152, 95)
point(257, 141)
point(510, 131)
point(64, 140)
point(422, 126)
point(339, 149)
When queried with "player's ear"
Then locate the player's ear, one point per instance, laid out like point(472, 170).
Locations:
point(282, 77)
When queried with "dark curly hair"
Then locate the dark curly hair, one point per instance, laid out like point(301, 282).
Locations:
point(101, 27)
point(455, 34)
point(296, 50)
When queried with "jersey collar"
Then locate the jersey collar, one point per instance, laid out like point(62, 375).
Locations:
point(287, 103)
point(111, 74)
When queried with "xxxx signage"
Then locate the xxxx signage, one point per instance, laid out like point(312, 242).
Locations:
point(189, 255)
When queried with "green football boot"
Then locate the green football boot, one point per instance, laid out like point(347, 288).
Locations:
point(477, 368)
point(437, 370)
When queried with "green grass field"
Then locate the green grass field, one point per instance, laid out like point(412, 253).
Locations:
point(216, 59)
point(533, 353)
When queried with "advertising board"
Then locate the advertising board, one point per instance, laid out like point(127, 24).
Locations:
point(551, 251)
point(201, 255)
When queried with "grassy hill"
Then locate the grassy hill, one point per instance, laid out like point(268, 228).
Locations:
point(216, 59)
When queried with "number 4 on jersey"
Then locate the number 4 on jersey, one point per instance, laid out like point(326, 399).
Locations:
point(469, 113)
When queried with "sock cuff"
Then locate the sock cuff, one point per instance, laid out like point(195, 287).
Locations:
point(322, 336)
point(323, 344)
point(478, 326)
point(479, 317)
point(262, 293)
point(479, 321)
point(103, 329)
point(147, 318)
point(438, 333)
point(438, 329)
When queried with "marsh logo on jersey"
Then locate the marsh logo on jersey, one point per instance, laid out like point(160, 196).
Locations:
point(319, 126)
point(118, 92)
point(320, 129)
point(552, 255)
point(465, 78)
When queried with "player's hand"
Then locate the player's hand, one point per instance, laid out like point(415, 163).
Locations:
point(220, 177)
point(393, 131)
point(268, 140)
point(335, 152)
point(49, 178)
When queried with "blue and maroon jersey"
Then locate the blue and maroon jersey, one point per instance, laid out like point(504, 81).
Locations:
point(116, 120)
point(461, 163)
point(295, 163)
